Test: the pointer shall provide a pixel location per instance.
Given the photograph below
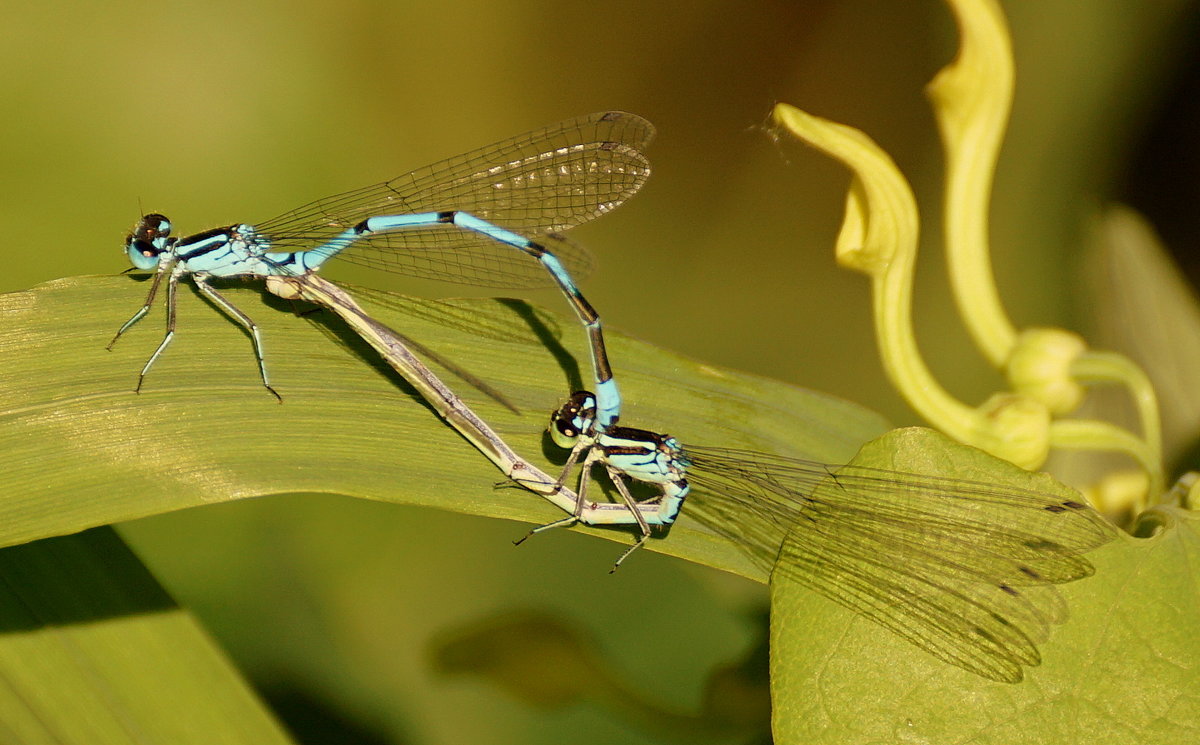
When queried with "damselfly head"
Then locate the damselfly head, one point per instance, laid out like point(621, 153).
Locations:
point(151, 237)
point(573, 420)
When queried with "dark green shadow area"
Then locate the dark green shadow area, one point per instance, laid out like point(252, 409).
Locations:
point(82, 578)
point(93, 650)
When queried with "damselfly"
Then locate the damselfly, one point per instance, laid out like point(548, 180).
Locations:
point(488, 217)
point(962, 569)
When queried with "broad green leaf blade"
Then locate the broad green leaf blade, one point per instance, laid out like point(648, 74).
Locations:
point(1126, 660)
point(79, 448)
point(94, 652)
point(345, 600)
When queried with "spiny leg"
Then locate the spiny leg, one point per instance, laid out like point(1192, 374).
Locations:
point(580, 494)
point(244, 320)
point(560, 482)
point(172, 283)
point(572, 459)
point(141, 313)
point(618, 480)
point(565, 522)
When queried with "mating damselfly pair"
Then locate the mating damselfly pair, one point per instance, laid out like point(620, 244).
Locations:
point(956, 567)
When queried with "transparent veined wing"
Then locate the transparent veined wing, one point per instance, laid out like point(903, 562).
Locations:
point(962, 569)
point(537, 185)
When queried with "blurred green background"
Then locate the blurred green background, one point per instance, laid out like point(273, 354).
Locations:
point(219, 112)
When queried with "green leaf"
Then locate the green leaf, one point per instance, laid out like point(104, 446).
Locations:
point(78, 448)
point(1122, 669)
point(81, 449)
point(94, 652)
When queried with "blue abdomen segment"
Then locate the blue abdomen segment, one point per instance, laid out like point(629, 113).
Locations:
point(608, 395)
